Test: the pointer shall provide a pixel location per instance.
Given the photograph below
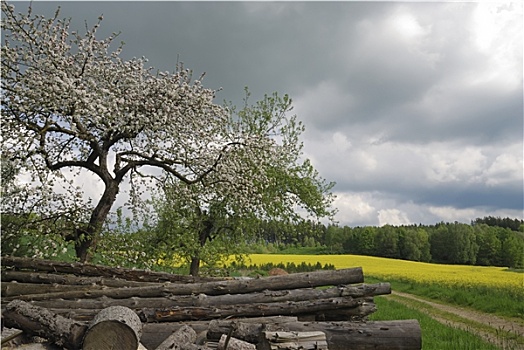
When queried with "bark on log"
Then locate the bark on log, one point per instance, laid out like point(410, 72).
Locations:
point(218, 300)
point(36, 346)
point(380, 335)
point(41, 322)
point(113, 328)
point(244, 310)
point(292, 281)
point(230, 343)
point(154, 333)
point(250, 332)
point(42, 277)
point(363, 310)
point(383, 335)
point(315, 340)
point(358, 311)
point(98, 270)
point(184, 335)
point(12, 290)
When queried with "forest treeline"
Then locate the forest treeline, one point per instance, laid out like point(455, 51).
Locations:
point(488, 241)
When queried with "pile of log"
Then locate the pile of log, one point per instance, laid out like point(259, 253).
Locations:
point(85, 306)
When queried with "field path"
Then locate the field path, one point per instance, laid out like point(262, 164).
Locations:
point(498, 324)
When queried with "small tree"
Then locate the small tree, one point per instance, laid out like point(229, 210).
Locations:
point(70, 103)
point(276, 183)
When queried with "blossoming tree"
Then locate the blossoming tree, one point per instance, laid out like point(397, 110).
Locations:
point(70, 102)
point(274, 184)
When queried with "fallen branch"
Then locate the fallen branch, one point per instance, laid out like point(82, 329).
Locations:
point(37, 321)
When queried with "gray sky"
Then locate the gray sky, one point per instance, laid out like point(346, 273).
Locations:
point(414, 109)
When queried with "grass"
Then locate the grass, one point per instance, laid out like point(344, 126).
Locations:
point(502, 335)
point(478, 298)
point(435, 335)
point(487, 289)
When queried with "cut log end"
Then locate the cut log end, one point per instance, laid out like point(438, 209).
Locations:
point(115, 328)
point(110, 335)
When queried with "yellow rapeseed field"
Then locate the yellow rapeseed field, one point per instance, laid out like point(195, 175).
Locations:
point(451, 276)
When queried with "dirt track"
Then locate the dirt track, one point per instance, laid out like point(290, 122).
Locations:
point(495, 322)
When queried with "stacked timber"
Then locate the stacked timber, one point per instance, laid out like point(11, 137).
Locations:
point(89, 306)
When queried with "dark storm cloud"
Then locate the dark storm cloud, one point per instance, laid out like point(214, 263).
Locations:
point(414, 109)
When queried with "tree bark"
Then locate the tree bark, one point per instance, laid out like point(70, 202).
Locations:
point(69, 279)
point(230, 343)
point(41, 322)
point(154, 333)
point(203, 300)
point(194, 267)
point(245, 310)
point(315, 340)
point(84, 269)
point(12, 290)
point(184, 335)
point(292, 281)
point(86, 238)
point(380, 335)
point(114, 328)
point(365, 307)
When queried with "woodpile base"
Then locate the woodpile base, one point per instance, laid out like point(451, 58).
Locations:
point(84, 306)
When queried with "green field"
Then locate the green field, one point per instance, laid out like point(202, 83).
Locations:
point(488, 289)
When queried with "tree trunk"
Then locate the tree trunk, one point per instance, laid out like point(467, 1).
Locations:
point(114, 328)
point(245, 310)
point(194, 268)
point(85, 242)
point(205, 233)
point(41, 322)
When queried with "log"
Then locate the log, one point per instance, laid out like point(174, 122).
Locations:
point(36, 346)
point(244, 310)
point(315, 340)
point(230, 343)
point(39, 277)
point(381, 335)
point(12, 290)
point(113, 328)
point(184, 335)
point(250, 332)
point(357, 313)
point(154, 333)
point(37, 321)
point(218, 300)
point(292, 281)
point(98, 270)
point(378, 335)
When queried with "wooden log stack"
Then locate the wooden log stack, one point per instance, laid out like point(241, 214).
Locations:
point(95, 305)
